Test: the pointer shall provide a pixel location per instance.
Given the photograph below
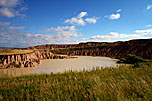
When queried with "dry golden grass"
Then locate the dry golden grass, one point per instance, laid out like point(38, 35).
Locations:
point(109, 84)
point(14, 51)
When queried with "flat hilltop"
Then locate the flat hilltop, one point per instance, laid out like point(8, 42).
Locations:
point(14, 51)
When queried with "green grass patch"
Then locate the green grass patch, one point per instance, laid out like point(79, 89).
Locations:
point(98, 84)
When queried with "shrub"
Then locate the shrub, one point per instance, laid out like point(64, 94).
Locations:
point(137, 61)
point(122, 60)
point(131, 59)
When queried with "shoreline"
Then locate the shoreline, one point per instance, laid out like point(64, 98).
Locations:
point(40, 70)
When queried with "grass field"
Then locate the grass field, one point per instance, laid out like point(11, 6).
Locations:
point(13, 51)
point(99, 84)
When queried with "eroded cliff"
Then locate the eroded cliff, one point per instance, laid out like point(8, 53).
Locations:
point(140, 47)
point(27, 60)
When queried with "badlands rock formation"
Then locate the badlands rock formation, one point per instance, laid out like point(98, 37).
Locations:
point(27, 60)
point(140, 47)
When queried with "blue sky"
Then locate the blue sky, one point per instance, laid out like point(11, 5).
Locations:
point(26, 23)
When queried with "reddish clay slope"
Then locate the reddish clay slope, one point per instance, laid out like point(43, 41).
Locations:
point(140, 47)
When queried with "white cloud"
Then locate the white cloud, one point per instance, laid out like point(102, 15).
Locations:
point(9, 3)
point(144, 32)
point(82, 39)
point(9, 8)
point(75, 21)
point(16, 28)
point(149, 25)
point(24, 8)
point(149, 7)
point(13, 38)
point(113, 35)
point(7, 12)
point(91, 20)
point(78, 20)
point(119, 10)
point(82, 14)
point(59, 28)
point(114, 16)
point(4, 24)
point(67, 31)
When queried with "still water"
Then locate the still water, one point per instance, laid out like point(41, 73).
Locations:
point(61, 65)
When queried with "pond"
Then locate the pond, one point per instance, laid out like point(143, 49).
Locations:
point(62, 65)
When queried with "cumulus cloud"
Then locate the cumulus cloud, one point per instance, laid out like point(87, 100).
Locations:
point(25, 39)
point(119, 10)
point(75, 21)
point(149, 25)
point(78, 20)
point(82, 39)
point(149, 7)
point(8, 8)
point(114, 16)
point(7, 12)
point(144, 32)
point(82, 14)
point(113, 35)
point(9, 3)
point(16, 28)
point(24, 8)
point(4, 24)
point(65, 31)
point(15, 38)
point(91, 20)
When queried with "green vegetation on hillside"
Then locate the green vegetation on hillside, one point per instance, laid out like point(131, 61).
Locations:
point(137, 61)
point(99, 84)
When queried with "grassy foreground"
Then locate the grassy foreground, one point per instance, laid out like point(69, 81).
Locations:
point(100, 84)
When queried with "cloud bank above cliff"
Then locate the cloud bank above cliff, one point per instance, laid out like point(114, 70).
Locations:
point(115, 36)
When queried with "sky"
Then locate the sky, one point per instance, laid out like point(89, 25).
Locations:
point(26, 23)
